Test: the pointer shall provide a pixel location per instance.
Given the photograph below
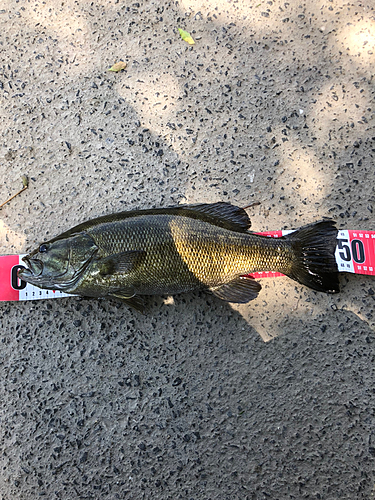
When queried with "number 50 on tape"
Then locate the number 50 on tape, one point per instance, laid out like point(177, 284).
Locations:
point(355, 252)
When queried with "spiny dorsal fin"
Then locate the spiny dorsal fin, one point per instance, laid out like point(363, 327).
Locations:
point(240, 290)
point(221, 214)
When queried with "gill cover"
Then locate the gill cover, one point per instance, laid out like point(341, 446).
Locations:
point(58, 264)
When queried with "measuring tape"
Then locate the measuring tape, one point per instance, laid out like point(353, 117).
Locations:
point(355, 253)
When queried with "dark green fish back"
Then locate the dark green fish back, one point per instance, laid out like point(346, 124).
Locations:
point(220, 214)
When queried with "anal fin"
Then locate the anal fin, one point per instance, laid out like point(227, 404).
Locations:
point(240, 290)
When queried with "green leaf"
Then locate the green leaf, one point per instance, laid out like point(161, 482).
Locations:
point(186, 36)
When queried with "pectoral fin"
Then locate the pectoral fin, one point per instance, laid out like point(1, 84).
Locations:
point(134, 301)
point(240, 290)
point(122, 262)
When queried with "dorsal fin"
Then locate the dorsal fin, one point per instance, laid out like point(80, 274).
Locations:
point(221, 214)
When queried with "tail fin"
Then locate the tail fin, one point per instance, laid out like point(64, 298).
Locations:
point(314, 263)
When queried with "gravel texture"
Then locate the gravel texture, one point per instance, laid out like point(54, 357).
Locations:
point(196, 399)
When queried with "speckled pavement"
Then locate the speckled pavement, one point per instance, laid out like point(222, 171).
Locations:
point(196, 399)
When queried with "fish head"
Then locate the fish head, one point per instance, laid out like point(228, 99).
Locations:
point(58, 264)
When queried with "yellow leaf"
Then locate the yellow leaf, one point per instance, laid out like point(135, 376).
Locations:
point(119, 66)
point(186, 36)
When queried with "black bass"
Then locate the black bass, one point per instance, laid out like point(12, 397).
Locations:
point(180, 249)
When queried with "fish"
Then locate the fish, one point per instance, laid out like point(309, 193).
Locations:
point(132, 254)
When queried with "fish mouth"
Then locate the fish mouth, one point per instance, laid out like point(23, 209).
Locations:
point(34, 268)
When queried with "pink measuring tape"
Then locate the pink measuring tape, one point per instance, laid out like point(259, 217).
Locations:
point(355, 253)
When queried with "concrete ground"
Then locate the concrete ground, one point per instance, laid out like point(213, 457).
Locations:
point(196, 399)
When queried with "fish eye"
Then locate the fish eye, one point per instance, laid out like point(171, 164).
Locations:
point(43, 248)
